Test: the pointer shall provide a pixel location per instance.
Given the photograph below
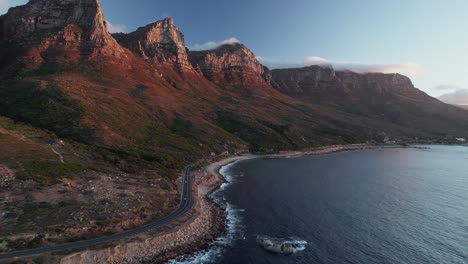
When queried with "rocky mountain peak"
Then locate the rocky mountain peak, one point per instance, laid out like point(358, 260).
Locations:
point(54, 26)
point(169, 21)
point(160, 42)
point(231, 64)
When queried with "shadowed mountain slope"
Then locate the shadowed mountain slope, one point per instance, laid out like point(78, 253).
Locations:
point(390, 98)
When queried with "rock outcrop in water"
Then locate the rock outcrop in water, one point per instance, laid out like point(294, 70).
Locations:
point(70, 29)
point(286, 246)
point(231, 65)
point(160, 43)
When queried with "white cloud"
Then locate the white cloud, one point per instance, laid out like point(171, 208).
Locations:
point(448, 88)
point(410, 69)
point(6, 4)
point(278, 64)
point(116, 28)
point(3, 5)
point(459, 97)
point(213, 45)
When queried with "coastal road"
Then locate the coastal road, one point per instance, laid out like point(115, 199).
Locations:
point(185, 205)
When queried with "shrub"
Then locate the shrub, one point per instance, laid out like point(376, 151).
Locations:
point(181, 126)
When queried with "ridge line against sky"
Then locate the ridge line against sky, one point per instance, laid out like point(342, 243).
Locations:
point(423, 39)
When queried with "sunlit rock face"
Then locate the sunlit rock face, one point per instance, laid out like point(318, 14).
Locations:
point(51, 27)
point(160, 42)
point(231, 65)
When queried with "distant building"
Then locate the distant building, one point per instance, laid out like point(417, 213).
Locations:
point(461, 139)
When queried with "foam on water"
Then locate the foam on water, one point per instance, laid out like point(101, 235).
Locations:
point(229, 177)
point(300, 244)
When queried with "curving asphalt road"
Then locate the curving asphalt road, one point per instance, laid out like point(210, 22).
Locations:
point(186, 204)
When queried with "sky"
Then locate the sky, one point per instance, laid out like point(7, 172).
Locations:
point(427, 40)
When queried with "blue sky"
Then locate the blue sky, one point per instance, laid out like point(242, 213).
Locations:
point(424, 39)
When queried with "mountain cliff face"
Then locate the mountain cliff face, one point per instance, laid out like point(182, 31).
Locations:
point(389, 98)
point(231, 65)
point(307, 82)
point(50, 28)
point(380, 83)
point(160, 42)
point(326, 84)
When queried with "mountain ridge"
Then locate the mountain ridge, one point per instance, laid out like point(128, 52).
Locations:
point(389, 97)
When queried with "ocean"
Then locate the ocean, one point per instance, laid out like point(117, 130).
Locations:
point(391, 205)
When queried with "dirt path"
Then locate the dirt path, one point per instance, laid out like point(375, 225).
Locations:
point(60, 155)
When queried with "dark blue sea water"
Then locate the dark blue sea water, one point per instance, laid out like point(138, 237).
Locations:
point(396, 206)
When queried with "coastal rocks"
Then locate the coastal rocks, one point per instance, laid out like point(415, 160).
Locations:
point(160, 42)
point(286, 246)
point(231, 65)
point(72, 29)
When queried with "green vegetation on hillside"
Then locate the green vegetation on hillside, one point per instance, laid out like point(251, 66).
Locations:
point(49, 171)
point(48, 108)
point(261, 137)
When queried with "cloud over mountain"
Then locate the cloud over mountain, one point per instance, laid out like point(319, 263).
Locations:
point(448, 88)
point(213, 44)
point(116, 28)
point(410, 69)
point(458, 97)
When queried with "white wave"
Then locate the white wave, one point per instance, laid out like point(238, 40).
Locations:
point(207, 256)
point(229, 177)
point(212, 254)
point(299, 245)
point(233, 222)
